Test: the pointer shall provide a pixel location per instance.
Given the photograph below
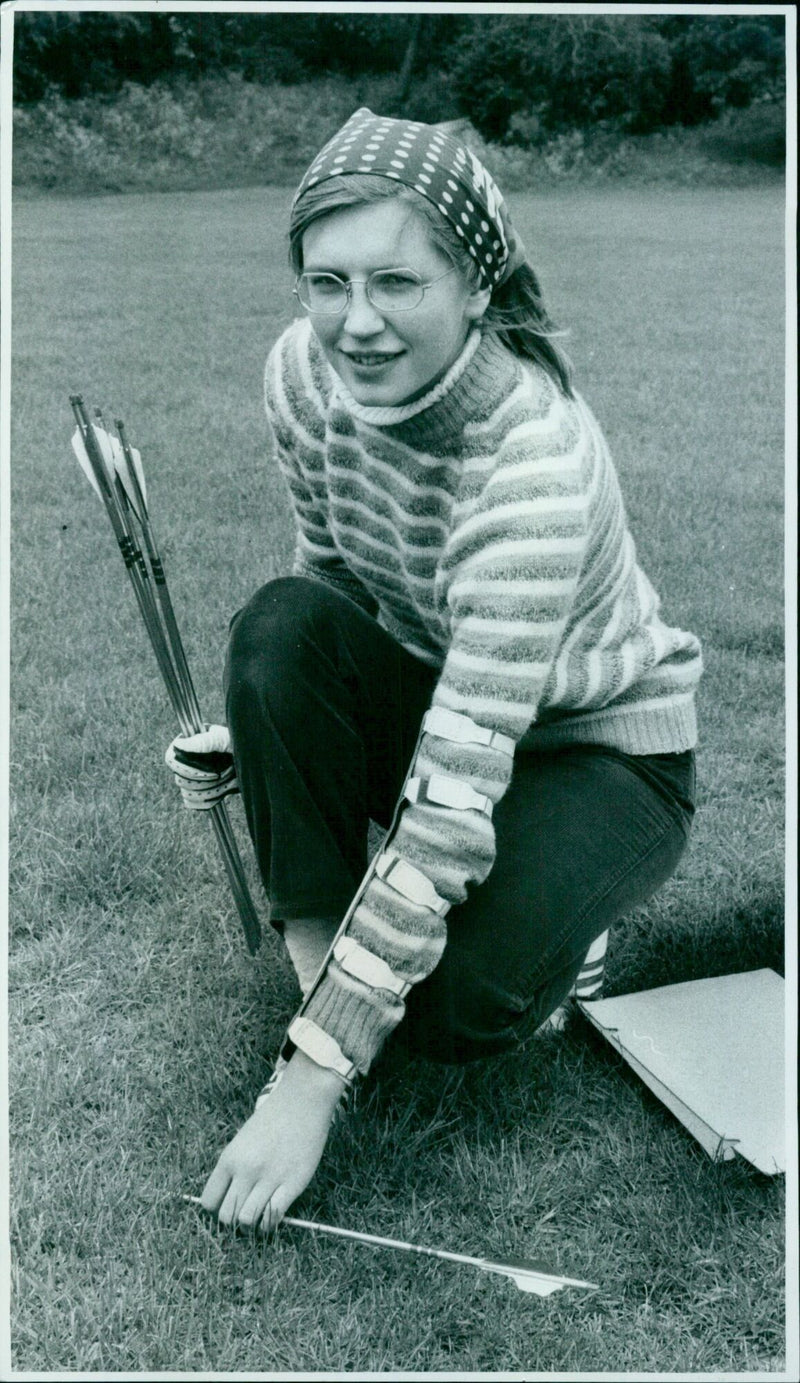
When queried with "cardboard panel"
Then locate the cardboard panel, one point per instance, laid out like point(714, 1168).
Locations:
point(713, 1051)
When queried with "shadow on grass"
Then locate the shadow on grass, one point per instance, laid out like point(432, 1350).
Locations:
point(745, 935)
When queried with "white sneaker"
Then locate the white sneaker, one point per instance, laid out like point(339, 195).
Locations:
point(587, 986)
point(592, 972)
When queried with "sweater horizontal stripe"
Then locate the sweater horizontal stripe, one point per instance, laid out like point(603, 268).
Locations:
point(485, 530)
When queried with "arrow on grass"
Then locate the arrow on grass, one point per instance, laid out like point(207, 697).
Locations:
point(526, 1275)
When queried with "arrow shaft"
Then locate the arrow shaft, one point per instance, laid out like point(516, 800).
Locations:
point(161, 620)
point(173, 635)
point(513, 1270)
point(143, 586)
point(168, 647)
point(160, 579)
point(158, 645)
point(382, 1242)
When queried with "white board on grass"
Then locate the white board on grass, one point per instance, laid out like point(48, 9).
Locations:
point(713, 1052)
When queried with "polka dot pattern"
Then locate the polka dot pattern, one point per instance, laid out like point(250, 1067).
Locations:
point(439, 168)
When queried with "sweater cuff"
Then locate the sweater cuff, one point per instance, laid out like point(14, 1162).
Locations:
point(320, 1047)
point(357, 1017)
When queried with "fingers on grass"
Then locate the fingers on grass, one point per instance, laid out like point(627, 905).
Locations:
point(216, 1188)
point(243, 1203)
point(228, 1213)
point(277, 1206)
point(255, 1207)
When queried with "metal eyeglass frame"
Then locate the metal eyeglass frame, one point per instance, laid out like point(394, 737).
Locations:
point(347, 285)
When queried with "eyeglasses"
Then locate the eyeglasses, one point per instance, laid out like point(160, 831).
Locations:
point(389, 290)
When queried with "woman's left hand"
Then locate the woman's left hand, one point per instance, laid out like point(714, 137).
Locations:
point(276, 1153)
point(203, 767)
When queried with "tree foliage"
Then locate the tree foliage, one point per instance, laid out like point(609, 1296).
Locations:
point(724, 61)
point(524, 77)
point(84, 53)
point(519, 78)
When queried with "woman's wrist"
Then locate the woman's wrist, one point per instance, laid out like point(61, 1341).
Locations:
point(311, 1081)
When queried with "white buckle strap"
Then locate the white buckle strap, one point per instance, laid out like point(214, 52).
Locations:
point(406, 879)
point(448, 792)
point(320, 1046)
point(461, 729)
point(365, 966)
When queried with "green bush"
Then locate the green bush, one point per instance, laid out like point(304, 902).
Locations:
point(520, 79)
point(211, 132)
point(431, 98)
point(757, 134)
point(724, 61)
point(226, 132)
point(90, 52)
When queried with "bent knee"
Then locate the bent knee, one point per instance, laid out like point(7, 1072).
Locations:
point(461, 1015)
point(275, 610)
point(268, 634)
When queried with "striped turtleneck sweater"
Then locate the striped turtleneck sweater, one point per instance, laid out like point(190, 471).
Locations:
point(484, 527)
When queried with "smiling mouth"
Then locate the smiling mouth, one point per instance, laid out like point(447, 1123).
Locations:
point(370, 358)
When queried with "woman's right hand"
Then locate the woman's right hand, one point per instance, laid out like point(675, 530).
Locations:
point(203, 767)
point(275, 1154)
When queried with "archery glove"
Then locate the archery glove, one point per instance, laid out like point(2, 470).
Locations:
point(203, 767)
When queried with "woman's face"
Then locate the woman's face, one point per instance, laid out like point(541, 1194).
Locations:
point(387, 358)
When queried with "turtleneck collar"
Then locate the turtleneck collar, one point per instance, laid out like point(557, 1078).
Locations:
point(472, 389)
point(391, 415)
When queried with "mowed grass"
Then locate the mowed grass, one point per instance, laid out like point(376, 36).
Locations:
point(141, 1028)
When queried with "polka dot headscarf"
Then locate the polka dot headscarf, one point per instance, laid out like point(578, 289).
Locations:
point(441, 169)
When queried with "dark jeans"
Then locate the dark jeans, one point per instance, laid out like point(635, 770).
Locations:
point(324, 709)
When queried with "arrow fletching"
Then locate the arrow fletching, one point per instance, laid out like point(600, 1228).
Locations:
point(94, 451)
point(532, 1277)
point(79, 448)
point(540, 1287)
point(139, 472)
point(105, 447)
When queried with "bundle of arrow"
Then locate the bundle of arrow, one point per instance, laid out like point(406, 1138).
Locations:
point(114, 470)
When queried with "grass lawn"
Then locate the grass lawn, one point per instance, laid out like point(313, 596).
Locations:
point(141, 1028)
